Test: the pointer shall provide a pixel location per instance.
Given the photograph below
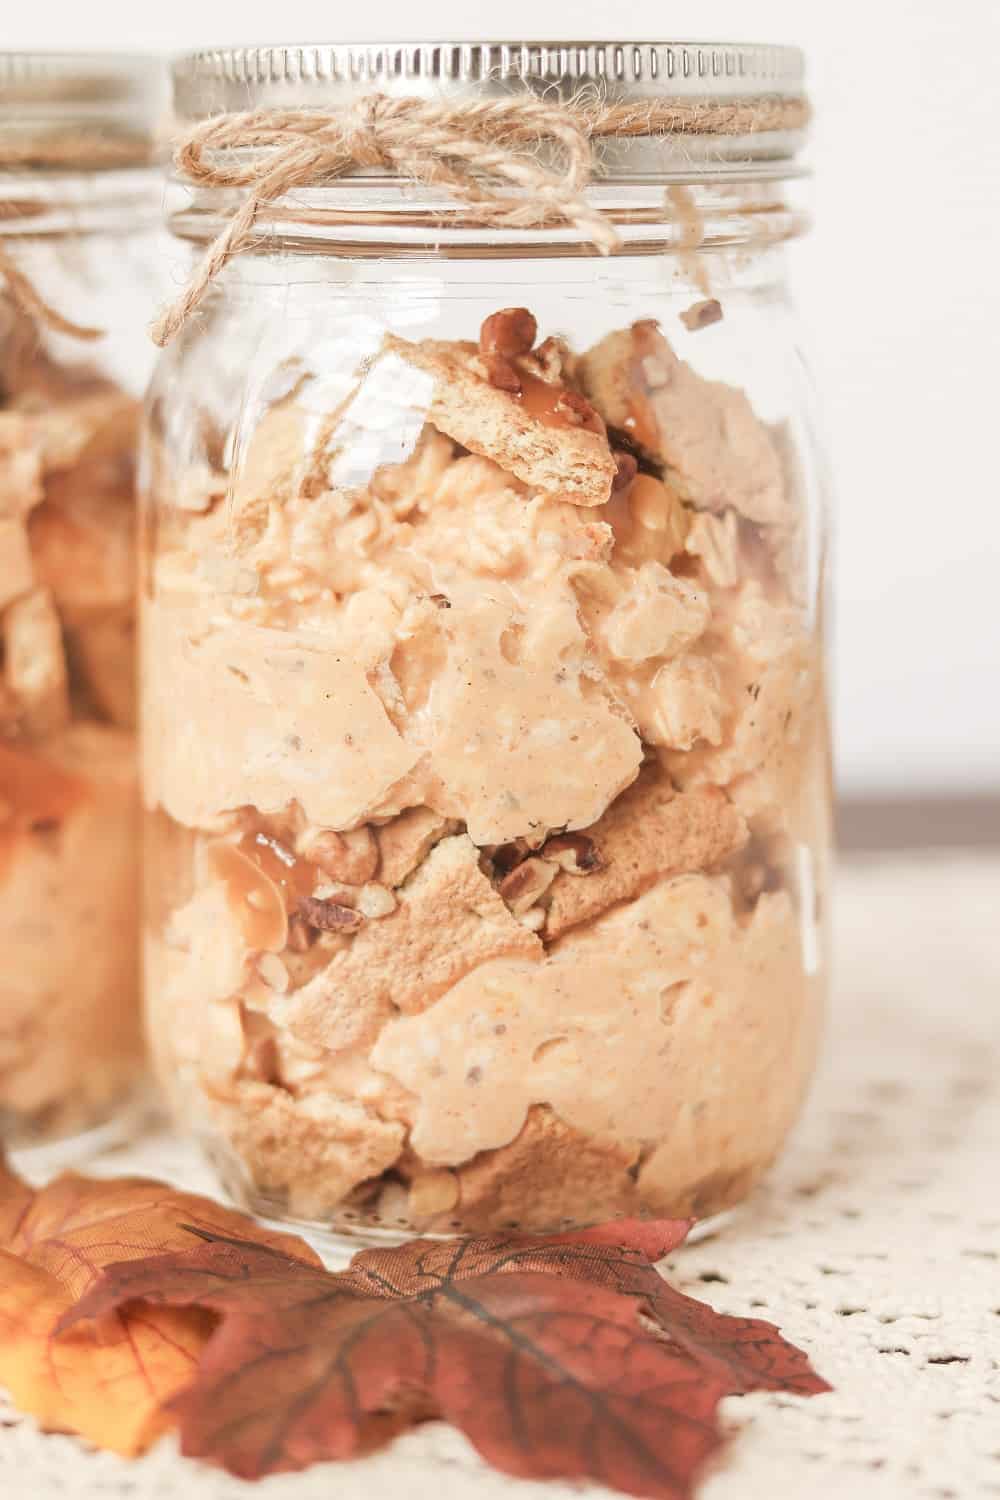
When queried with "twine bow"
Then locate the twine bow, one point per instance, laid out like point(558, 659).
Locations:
point(487, 154)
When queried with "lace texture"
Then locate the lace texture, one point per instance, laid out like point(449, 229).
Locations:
point(875, 1244)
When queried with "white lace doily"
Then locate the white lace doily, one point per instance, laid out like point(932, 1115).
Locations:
point(875, 1245)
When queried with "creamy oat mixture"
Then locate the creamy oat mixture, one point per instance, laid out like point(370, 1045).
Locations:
point(69, 1029)
point(485, 767)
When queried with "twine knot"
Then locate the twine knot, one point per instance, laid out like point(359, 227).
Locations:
point(517, 162)
point(362, 142)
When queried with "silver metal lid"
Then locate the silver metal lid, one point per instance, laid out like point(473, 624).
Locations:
point(79, 110)
point(240, 78)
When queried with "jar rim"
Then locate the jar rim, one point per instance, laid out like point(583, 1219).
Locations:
point(79, 111)
point(227, 80)
point(665, 69)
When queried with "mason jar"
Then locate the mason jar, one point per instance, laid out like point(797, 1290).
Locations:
point(79, 211)
point(485, 741)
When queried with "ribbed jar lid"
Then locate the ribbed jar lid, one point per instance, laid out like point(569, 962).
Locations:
point(234, 79)
point(85, 111)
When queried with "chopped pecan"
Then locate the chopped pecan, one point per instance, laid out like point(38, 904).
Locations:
point(350, 857)
point(509, 332)
point(525, 884)
point(577, 411)
point(702, 314)
point(552, 357)
point(330, 916)
point(628, 468)
point(502, 374)
point(573, 852)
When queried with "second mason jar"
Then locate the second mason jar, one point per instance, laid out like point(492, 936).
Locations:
point(80, 211)
point(485, 739)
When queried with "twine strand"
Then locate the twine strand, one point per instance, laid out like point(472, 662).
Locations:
point(23, 293)
point(75, 151)
point(28, 299)
point(487, 154)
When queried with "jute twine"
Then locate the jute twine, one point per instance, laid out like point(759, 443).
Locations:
point(486, 154)
point(73, 152)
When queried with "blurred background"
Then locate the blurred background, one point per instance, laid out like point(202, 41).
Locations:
point(899, 284)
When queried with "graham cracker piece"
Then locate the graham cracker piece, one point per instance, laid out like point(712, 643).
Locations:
point(649, 833)
point(271, 464)
point(449, 920)
point(563, 461)
point(83, 543)
point(34, 663)
point(405, 842)
point(88, 425)
point(550, 1175)
point(69, 1021)
point(16, 572)
point(716, 451)
point(307, 1151)
point(20, 466)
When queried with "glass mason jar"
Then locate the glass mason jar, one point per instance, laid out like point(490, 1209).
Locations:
point(79, 210)
point(485, 747)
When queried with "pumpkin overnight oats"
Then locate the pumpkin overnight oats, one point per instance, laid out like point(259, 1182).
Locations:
point(486, 775)
point(69, 813)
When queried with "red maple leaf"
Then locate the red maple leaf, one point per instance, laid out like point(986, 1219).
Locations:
point(566, 1355)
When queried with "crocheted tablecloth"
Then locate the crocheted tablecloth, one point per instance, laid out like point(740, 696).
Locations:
point(875, 1244)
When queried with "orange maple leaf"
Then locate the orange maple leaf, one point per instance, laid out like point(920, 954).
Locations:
point(110, 1381)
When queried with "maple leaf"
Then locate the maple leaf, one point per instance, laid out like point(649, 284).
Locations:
point(558, 1356)
point(111, 1384)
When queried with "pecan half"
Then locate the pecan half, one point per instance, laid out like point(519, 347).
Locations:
point(510, 332)
point(573, 852)
point(330, 916)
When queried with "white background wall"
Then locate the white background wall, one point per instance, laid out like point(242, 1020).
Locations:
point(899, 282)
